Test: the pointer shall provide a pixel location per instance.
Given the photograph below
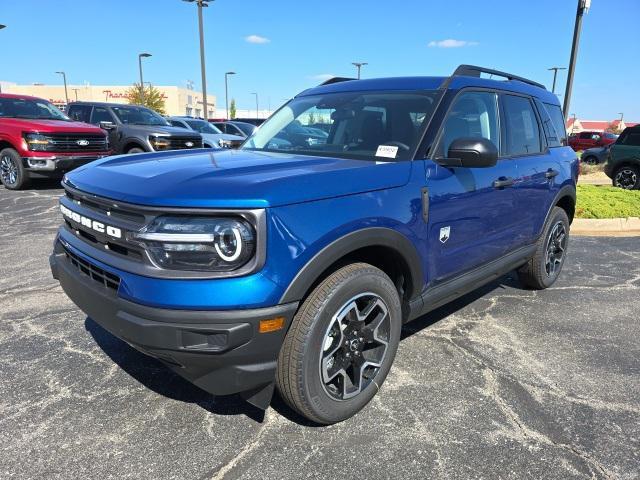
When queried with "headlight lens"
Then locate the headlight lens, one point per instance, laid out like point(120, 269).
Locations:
point(159, 143)
point(216, 244)
point(36, 141)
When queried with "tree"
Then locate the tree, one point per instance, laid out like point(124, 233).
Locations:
point(312, 119)
point(232, 109)
point(614, 127)
point(151, 97)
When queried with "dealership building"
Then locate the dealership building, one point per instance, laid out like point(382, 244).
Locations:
point(178, 100)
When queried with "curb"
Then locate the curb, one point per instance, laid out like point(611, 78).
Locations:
point(606, 227)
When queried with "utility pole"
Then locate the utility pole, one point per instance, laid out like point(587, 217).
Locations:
point(555, 74)
point(254, 93)
point(75, 90)
point(202, 4)
point(226, 93)
point(359, 65)
point(64, 78)
point(140, 57)
point(583, 7)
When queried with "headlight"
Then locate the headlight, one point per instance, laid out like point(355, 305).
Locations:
point(36, 141)
point(212, 244)
point(159, 143)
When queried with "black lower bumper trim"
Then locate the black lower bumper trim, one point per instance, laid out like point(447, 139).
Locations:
point(222, 352)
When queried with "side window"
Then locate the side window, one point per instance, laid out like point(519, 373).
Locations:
point(553, 139)
point(79, 113)
point(100, 114)
point(632, 138)
point(522, 133)
point(176, 123)
point(558, 121)
point(586, 135)
point(472, 114)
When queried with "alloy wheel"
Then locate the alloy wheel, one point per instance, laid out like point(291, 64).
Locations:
point(354, 346)
point(626, 178)
point(556, 245)
point(8, 170)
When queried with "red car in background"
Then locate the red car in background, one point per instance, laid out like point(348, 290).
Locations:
point(590, 139)
point(38, 140)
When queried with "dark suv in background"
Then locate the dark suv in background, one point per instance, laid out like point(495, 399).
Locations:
point(623, 162)
point(133, 128)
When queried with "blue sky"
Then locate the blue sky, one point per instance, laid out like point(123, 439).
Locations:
point(280, 47)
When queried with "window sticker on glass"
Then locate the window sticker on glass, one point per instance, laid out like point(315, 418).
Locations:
point(387, 151)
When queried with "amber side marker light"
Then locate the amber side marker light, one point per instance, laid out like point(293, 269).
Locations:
point(271, 325)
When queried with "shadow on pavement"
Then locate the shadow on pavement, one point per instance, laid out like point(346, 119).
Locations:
point(157, 377)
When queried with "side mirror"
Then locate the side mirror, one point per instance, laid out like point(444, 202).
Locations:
point(470, 153)
point(107, 125)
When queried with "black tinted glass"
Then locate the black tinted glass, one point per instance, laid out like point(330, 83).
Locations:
point(522, 131)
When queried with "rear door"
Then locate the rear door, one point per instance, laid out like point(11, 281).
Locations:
point(525, 143)
point(472, 219)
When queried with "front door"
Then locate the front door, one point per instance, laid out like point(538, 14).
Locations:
point(472, 210)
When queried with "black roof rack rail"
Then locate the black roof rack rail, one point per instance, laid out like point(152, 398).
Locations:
point(473, 71)
point(336, 80)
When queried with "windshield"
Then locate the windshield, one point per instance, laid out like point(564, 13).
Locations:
point(201, 126)
point(245, 128)
point(32, 109)
point(135, 115)
point(359, 125)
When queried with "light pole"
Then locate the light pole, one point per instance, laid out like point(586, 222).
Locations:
point(359, 65)
point(583, 7)
point(555, 74)
point(201, 4)
point(573, 125)
point(64, 78)
point(254, 93)
point(75, 90)
point(1, 27)
point(226, 92)
point(140, 57)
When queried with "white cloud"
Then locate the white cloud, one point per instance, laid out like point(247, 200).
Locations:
point(257, 39)
point(451, 43)
point(322, 77)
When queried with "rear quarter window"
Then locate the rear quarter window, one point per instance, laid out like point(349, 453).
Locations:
point(558, 121)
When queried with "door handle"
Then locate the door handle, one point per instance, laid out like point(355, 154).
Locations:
point(503, 182)
point(551, 173)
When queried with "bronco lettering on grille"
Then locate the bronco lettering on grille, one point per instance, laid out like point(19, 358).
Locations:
point(90, 223)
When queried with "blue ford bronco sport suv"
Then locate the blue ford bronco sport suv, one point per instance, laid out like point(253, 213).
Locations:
point(293, 265)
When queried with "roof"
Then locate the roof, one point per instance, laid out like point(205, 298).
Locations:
point(104, 104)
point(595, 124)
point(431, 83)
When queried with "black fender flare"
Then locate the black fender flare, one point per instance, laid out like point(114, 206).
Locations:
point(565, 191)
point(366, 237)
point(132, 141)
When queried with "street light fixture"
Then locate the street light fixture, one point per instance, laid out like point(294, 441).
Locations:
point(254, 93)
point(226, 92)
point(140, 57)
point(202, 4)
point(66, 95)
point(555, 74)
point(583, 7)
point(75, 90)
point(359, 65)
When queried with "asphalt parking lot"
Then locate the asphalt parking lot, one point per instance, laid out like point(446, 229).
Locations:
point(504, 383)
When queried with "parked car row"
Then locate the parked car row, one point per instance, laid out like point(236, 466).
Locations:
point(590, 139)
point(38, 140)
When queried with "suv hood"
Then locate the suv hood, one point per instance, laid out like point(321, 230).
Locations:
point(48, 126)
point(232, 178)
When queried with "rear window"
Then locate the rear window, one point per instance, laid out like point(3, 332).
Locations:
point(80, 113)
point(630, 137)
point(553, 139)
point(522, 131)
point(558, 121)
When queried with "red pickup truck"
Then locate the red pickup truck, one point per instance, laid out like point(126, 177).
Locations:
point(589, 139)
point(38, 140)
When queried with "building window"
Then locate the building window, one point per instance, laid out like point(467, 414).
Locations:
point(188, 111)
point(189, 100)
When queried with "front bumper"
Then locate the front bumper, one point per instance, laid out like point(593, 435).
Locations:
point(221, 351)
point(59, 163)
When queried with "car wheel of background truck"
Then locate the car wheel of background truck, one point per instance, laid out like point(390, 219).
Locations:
point(591, 160)
point(551, 250)
point(627, 177)
point(12, 172)
point(341, 344)
point(135, 150)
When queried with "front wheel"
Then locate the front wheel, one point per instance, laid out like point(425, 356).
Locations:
point(341, 344)
point(135, 150)
point(627, 177)
point(13, 175)
point(543, 269)
point(591, 160)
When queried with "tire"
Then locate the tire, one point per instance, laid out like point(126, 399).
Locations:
point(627, 177)
point(543, 269)
point(591, 160)
point(13, 175)
point(324, 336)
point(133, 150)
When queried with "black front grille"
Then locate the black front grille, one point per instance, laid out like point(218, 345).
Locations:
point(180, 143)
point(76, 142)
point(97, 274)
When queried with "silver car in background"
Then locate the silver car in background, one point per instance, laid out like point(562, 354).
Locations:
point(212, 137)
